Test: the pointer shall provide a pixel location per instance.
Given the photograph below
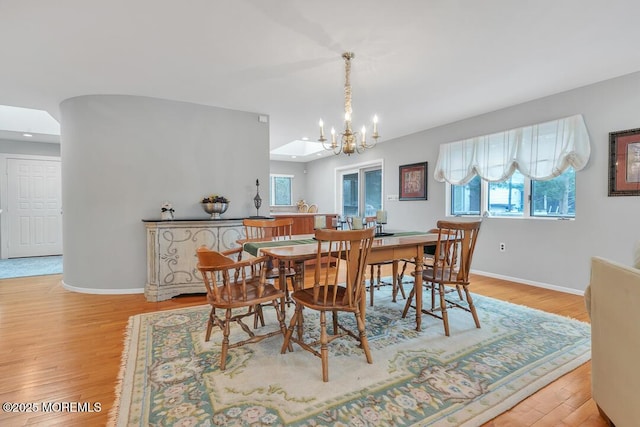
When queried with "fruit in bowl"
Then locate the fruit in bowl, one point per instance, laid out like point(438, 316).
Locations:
point(215, 205)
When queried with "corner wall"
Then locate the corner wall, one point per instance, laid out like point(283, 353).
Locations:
point(122, 156)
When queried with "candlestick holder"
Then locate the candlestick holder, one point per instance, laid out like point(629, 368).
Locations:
point(257, 200)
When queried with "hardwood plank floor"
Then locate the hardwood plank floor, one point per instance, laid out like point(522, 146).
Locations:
point(62, 346)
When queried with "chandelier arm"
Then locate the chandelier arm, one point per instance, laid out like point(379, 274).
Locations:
point(336, 149)
point(367, 145)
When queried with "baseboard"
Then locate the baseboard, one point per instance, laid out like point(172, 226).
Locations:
point(101, 291)
point(530, 282)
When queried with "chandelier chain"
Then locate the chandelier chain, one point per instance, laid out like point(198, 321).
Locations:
point(347, 86)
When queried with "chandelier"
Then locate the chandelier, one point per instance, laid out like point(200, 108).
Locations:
point(349, 143)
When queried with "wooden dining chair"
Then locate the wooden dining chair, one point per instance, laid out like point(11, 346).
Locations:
point(233, 284)
point(276, 229)
point(337, 289)
point(449, 270)
point(375, 279)
point(427, 261)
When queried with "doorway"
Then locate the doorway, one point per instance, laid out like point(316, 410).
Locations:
point(360, 191)
point(32, 219)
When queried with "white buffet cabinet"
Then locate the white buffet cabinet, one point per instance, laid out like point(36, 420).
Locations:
point(171, 253)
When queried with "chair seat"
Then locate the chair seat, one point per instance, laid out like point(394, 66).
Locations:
point(430, 275)
point(269, 292)
point(305, 297)
point(274, 273)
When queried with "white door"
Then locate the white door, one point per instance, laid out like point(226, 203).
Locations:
point(34, 207)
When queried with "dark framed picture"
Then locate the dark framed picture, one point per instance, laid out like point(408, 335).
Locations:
point(413, 181)
point(624, 163)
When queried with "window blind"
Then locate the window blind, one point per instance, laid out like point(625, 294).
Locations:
point(542, 151)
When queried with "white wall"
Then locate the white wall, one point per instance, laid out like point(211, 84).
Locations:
point(548, 253)
point(122, 156)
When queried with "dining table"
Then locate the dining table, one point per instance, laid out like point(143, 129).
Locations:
point(390, 246)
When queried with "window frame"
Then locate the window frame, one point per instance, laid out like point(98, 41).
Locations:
point(272, 188)
point(526, 208)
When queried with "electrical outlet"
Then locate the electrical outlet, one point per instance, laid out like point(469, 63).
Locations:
point(502, 247)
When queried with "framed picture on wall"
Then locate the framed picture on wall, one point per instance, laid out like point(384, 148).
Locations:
point(413, 181)
point(624, 163)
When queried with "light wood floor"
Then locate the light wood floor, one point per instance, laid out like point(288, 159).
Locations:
point(61, 346)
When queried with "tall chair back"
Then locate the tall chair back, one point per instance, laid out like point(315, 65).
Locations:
point(348, 251)
point(277, 229)
point(450, 269)
point(335, 289)
point(281, 228)
point(454, 251)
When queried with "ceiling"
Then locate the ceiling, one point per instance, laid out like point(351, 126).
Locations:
point(418, 63)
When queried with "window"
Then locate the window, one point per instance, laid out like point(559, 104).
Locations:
point(521, 172)
point(465, 199)
point(506, 198)
point(281, 190)
point(361, 192)
point(518, 196)
point(556, 197)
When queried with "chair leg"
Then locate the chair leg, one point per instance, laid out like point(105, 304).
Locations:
point(258, 316)
point(286, 291)
point(292, 325)
point(397, 282)
point(443, 308)
point(225, 340)
point(324, 348)
point(371, 286)
point(281, 317)
point(334, 317)
point(207, 337)
point(364, 343)
point(433, 297)
point(472, 307)
point(408, 303)
point(401, 275)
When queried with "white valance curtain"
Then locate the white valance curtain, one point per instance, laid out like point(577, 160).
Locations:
point(542, 151)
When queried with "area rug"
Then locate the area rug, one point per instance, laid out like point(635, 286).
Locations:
point(170, 375)
point(31, 266)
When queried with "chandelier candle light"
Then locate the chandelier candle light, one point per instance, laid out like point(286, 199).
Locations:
point(349, 139)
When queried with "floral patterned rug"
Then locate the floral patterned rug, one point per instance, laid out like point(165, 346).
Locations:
point(170, 375)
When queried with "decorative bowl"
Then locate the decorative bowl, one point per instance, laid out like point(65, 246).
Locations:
point(215, 209)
